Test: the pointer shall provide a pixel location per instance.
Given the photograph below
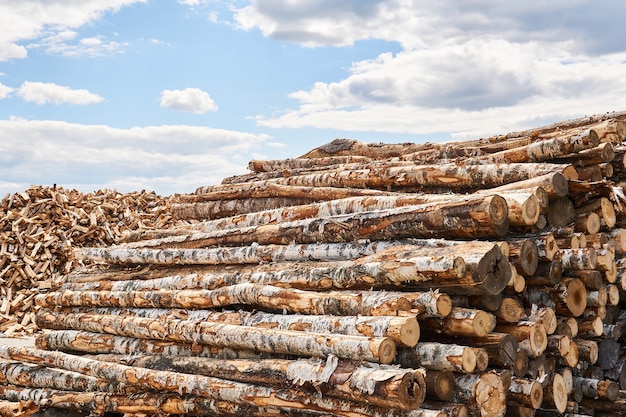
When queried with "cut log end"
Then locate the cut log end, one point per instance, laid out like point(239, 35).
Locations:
point(576, 298)
point(490, 396)
point(408, 330)
point(385, 350)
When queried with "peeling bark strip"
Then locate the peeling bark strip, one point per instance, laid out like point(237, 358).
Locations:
point(17, 408)
point(481, 218)
point(196, 385)
point(404, 330)
point(343, 303)
point(98, 343)
point(383, 386)
point(382, 350)
point(439, 357)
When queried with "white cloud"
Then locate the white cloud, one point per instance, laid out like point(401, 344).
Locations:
point(48, 20)
point(166, 159)
point(44, 93)
point(192, 100)
point(467, 68)
point(4, 91)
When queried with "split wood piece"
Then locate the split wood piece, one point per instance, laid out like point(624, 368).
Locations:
point(587, 350)
point(291, 212)
point(525, 392)
point(564, 349)
point(590, 327)
point(546, 316)
point(368, 303)
point(404, 329)
point(524, 255)
point(592, 388)
point(17, 408)
point(383, 386)
point(451, 409)
point(439, 385)
point(568, 298)
point(603, 208)
point(510, 311)
point(546, 274)
point(561, 212)
point(555, 184)
point(479, 219)
point(484, 394)
point(531, 336)
point(98, 343)
point(578, 259)
point(461, 322)
point(438, 357)
point(198, 385)
point(381, 350)
point(555, 393)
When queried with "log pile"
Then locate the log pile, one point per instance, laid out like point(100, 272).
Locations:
point(481, 278)
point(39, 228)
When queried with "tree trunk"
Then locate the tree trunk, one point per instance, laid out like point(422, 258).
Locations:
point(381, 350)
point(198, 385)
point(219, 209)
point(372, 303)
point(303, 163)
point(438, 357)
point(383, 386)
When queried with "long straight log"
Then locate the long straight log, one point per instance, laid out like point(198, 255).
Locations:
point(305, 163)
point(99, 343)
point(384, 386)
point(200, 385)
point(382, 350)
point(219, 209)
point(474, 219)
point(264, 216)
point(404, 330)
point(306, 302)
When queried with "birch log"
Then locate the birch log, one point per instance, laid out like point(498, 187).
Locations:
point(404, 329)
point(188, 384)
point(439, 357)
point(306, 163)
point(17, 408)
point(484, 394)
point(525, 393)
point(483, 219)
point(306, 302)
point(382, 350)
point(462, 322)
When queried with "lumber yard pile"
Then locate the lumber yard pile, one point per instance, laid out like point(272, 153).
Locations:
point(480, 278)
point(39, 228)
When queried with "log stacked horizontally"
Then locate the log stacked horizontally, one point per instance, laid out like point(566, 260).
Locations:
point(479, 278)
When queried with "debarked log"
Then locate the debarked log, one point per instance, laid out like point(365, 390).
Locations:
point(478, 218)
point(369, 303)
point(404, 329)
point(382, 350)
point(384, 386)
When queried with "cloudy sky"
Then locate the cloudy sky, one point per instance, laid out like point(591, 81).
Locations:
point(170, 95)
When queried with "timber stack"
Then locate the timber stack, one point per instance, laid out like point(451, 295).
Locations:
point(480, 278)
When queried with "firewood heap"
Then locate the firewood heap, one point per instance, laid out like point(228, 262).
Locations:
point(479, 278)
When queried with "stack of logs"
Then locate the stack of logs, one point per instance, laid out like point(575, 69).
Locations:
point(40, 226)
point(478, 278)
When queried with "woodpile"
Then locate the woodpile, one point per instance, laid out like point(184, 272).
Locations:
point(481, 278)
point(39, 228)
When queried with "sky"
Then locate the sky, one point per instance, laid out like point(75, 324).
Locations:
point(169, 96)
